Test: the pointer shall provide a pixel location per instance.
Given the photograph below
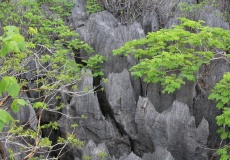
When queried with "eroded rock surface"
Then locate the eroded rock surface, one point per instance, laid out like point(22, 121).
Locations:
point(105, 34)
point(170, 126)
point(131, 120)
point(96, 152)
point(120, 96)
point(160, 153)
point(95, 127)
point(173, 129)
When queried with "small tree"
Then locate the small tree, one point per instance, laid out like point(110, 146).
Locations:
point(174, 56)
point(38, 60)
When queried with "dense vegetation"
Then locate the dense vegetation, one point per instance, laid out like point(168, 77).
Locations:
point(39, 55)
point(173, 57)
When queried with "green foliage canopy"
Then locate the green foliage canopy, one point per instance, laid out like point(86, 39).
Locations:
point(172, 56)
point(11, 41)
point(220, 93)
point(47, 41)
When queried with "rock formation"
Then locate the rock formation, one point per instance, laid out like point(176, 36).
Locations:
point(129, 119)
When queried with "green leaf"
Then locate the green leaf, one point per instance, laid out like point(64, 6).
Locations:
point(190, 77)
point(22, 45)
point(7, 38)
point(225, 100)
point(40, 104)
point(13, 46)
point(22, 102)
point(219, 105)
point(13, 87)
point(5, 117)
point(11, 30)
point(224, 135)
point(15, 105)
point(4, 50)
point(4, 84)
point(1, 125)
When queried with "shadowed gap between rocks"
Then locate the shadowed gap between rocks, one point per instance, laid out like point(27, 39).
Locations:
point(107, 111)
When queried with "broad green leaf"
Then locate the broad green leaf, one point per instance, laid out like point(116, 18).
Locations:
point(15, 105)
point(7, 38)
point(22, 102)
point(13, 87)
point(4, 50)
point(18, 38)
point(5, 117)
point(22, 45)
point(12, 79)
point(13, 45)
point(4, 84)
point(225, 100)
point(224, 135)
point(219, 105)
point(11, 30)
point(190, 77)
point(1, 125)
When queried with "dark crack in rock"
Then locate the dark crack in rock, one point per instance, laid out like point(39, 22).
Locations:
point(96, 126)
point(120, 95)
point(104, 33)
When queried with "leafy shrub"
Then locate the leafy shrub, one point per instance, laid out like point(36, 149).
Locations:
point(46, 41)
point(92, 6)
point(221, 94)
point(173, 56)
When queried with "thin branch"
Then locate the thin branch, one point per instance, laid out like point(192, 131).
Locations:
point(3, 101)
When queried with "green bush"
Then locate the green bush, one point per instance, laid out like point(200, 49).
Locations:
point(173, 56)
point(46, 40)
point(92, 6)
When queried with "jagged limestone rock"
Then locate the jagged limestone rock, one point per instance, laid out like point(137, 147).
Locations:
point(120, 95)
point(144, 118)
point(131, 156)
point(26, 116)
point(209, 75)
point(162, 101)
point(159, 154)
point(173, 129)
point(79, 14)
point(96, 151)
point(212, 17)
point(206, 12)
point(95, 126)
point(150, 22)
point(167, 9)
point(104, 33)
